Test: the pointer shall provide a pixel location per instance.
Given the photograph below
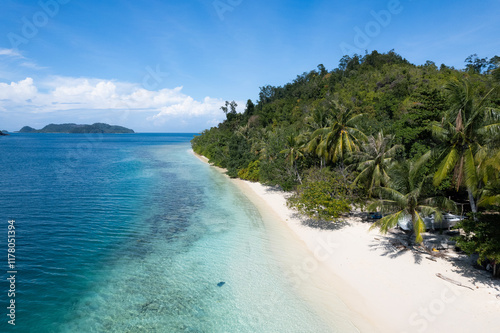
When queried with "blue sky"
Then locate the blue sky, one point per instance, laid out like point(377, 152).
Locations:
point(167, 66)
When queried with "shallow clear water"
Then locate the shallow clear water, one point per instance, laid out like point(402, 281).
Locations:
point(132, 233)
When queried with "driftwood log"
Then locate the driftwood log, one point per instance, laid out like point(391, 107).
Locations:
point(452, 281)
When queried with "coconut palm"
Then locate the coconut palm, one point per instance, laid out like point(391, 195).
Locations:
point(293, 153)
point(405, 197)
point(319, 118)
point(462, 135)
point(375, 158)
point(340, 138)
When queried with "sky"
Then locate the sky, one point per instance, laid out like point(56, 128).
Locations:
point(168, 66)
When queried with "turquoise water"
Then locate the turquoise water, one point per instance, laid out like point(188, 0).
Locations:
point(132, 233)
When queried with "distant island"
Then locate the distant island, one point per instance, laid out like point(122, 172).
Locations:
point(3, 133)
point(75, 128)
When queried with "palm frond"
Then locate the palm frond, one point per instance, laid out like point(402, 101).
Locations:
point(418, 228)
point(489, 200)
point(387, 222)
point(491, 129)
point(470, 170)
point(446, 165)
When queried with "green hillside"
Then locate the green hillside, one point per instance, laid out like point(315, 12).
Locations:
point(377, 131)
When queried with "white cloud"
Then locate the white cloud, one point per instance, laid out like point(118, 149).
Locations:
point(31, 65)
point(190, 107)
point(66, 95)
point(10, 53)
point(17, 92)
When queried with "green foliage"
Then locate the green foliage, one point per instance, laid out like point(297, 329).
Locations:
point(313, 123)
point(406, 196)
point(465, 129)
point(251, 173)
point(414, 117)
point(481, 235)
point(374, 160)
point(274, 167)
point(322, 195)
point(340, 138)
point(239, 155)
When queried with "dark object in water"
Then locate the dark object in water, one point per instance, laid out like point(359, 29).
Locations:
point(220, 284)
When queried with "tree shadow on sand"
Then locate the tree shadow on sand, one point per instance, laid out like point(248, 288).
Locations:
point(311, 222)
point(467, 266)
point(395, 244)
point(320, 224)
point(436, 246)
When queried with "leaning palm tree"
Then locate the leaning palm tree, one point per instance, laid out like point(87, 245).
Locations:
point(341, 137)
point(462, 134)
point(404, 197)
point(374, 160)
point(293, 152)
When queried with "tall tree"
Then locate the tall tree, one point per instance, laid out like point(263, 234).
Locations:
point(229, 108)
point(405, 196)
point(374, 160)
point(293, 152)
point(319, 118)
point(341, 137)
point(462, 135)
point(250, 108)
point(475, 65)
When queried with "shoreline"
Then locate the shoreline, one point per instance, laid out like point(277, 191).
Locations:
point(385, 287)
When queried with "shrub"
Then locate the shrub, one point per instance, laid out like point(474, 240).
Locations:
point(252, 173)
point(322, 195)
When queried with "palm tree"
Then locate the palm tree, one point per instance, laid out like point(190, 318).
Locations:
point(375, 158)
point(319, 118)
point(488, 171)
point(293, 153)
point(405, 197)
point(340, 138)
point(462, 133)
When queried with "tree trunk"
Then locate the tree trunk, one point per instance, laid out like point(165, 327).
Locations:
point(297, 173)
point(472, 202)
point(496, 270)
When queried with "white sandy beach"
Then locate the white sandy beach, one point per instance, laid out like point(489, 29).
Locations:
point(386, 287)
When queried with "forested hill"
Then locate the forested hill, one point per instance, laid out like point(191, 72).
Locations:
point(394, 95)
point(75, 128)
point(407, 141)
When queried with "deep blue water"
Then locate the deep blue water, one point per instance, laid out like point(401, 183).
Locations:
point(132, 233)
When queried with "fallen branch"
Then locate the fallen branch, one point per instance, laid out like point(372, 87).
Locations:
point(452, 281)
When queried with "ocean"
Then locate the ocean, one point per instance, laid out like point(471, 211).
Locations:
point(133, 233)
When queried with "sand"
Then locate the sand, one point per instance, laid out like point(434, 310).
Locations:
point(384, 286)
